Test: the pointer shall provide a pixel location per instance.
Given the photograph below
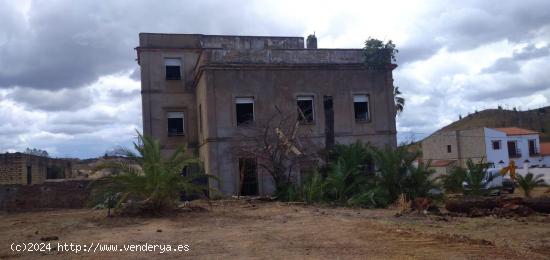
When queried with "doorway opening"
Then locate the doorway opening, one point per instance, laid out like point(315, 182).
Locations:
point(248, 177)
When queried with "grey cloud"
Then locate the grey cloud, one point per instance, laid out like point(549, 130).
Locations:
point(465, 25)
point(63, 99)
point(507, 88)
point(68, 44)
point(136, 74)
point(511, 64)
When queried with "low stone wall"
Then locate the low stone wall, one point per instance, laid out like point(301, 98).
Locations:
point(51, 194)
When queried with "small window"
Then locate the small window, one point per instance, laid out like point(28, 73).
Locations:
point(449, 150)
point(172, 68)
point(305, 109)
point(175, 123)
point(245, 110)
point(496, 145)
point(361, 108)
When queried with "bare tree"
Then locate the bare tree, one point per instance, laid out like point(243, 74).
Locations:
point(279, 144)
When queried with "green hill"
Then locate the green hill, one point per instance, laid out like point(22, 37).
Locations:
point(536, 120)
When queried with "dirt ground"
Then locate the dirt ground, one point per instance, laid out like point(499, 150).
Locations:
point(274, 230)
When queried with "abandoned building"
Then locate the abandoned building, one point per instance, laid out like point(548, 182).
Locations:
point(26, 169)
point(203, 90)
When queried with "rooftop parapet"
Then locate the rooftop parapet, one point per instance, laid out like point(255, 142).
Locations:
point(200, 41)
point(282, 56)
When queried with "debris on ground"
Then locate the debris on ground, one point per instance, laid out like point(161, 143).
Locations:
point(500, 206)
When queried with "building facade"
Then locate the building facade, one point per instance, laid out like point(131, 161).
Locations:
point(497, 146)
point(26, 169)
point(203, 90)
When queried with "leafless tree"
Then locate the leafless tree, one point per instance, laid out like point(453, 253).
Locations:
point(279, 144)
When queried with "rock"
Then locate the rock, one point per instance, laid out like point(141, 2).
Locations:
point(159, 230)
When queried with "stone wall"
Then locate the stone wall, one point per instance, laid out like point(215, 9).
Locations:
point(51, 194)
point(16, 167)
point(11, 168)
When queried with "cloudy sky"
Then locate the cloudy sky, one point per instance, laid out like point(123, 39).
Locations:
point(69, 84)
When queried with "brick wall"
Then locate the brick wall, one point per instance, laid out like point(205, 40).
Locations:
point(14, 167)
point(11, 168)
point(50, 194)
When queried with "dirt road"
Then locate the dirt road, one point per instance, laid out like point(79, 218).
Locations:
point(242, 230)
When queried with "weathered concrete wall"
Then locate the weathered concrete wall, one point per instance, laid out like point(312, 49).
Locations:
point(471, 145)
point(278, 56)
point(51, 194)
point(280, 87)
point(161, 96)
point(434, 147)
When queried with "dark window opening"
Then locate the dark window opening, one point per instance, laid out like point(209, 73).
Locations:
point(173, 73)
point(248, 176)
point(513, 151)
point(533, 149)
point(172, 67)
point(55, 172)
point(245, 111)
point(496, 145)
point(449, 150)
point(305, 109)
point(361, 108)
point(175, 123)
point(29, 175)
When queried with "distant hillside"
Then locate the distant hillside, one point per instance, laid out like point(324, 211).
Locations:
point(536, 119)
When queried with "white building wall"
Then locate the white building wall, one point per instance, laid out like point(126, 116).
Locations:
point(495, 156)
point(545, 161)
point(522, 142)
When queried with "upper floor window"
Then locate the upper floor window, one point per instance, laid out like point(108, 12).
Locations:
point(496, 144)
point(449, 150)
point(175, 123)
point(305, 109)
point(533, 149)
point(361, 107)
point(244, 107)
point(172, 68)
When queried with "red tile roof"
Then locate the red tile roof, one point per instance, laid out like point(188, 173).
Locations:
point(441, 163)
point(544, 148)
point(516, 131)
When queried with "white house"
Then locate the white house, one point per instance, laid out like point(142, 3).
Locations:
point(497, 146)
point(511, 143)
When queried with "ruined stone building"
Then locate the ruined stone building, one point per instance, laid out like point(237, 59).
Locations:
point(203, 90)
point(26, 169)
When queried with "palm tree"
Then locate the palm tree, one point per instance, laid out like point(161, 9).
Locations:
point(393, 167)
point(477, 176)
point(399, 100)
point(148, 178)
point(528, 182)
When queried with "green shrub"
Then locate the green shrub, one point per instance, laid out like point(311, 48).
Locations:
point(452, 182)
point(528, 182)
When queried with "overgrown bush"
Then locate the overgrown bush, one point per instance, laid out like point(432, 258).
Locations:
point(351, 179)
point(148, 180)
point(452, 182)
point(528, 182)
